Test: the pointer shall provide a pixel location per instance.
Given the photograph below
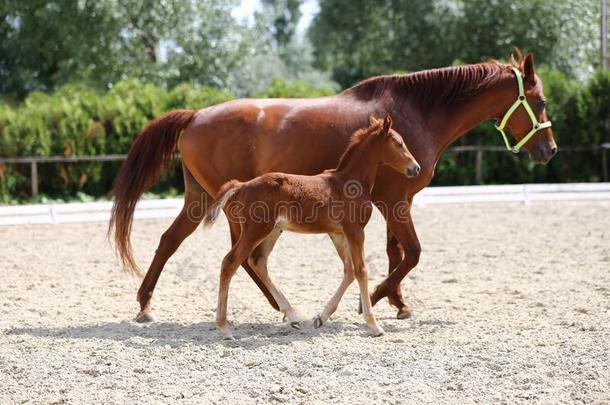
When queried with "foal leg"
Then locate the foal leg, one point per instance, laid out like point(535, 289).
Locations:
point(356, 246)
point(195, 205)
point(258, 262)
point(235, 231)
point(342, 247)
point(246, 242)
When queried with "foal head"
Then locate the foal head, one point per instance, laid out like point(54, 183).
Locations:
point(394, 152)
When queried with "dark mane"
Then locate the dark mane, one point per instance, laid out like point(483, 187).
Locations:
point(356, 139)
point(436, 87)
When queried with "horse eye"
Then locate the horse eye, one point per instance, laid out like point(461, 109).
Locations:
point(542, 103)
point(399, 144)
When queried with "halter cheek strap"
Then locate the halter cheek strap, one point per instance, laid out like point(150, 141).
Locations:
point(521, 100)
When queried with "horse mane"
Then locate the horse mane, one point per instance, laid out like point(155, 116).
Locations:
point(356, 139)
point(442, 87)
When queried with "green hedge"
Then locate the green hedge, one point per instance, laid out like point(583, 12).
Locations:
point(76, 120)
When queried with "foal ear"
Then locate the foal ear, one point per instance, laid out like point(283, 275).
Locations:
point(528, 68)
point(387, 123)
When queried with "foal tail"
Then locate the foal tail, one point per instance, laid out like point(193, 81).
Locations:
point(148, 158)
point(227, 191)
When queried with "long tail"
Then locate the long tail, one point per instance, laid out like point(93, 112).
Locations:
point(227, 191)
point(149, 157)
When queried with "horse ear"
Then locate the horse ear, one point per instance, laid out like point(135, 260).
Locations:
point(528, 67)
point(387, 123)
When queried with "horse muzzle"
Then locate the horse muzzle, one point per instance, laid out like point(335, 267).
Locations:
point(543, 153)
point(413, 170)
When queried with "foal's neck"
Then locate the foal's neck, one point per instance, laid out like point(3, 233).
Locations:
point(362, 162)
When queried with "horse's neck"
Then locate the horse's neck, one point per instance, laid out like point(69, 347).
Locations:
point(471, 112)
point(436, 129)
point(361, 165)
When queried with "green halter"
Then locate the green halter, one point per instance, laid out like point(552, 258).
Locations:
point(521, 100)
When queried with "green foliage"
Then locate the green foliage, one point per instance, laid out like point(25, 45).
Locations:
point(47, 43)
point(356, 39)
point(280, 88)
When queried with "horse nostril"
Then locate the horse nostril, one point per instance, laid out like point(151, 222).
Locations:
point(413, 170)
point(553, 151)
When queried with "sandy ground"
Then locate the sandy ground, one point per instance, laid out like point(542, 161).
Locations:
point(512, 301)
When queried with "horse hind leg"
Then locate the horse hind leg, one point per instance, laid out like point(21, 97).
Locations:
point(196, 201)
point(342, 247)
point(258, 263)
point(248, 238)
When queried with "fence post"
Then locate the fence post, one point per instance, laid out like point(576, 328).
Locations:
point(478, 169)
point(34, 177)
point(605, 147)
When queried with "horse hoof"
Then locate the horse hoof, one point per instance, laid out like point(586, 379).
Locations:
point(146, 317)
point(317, 322)
point(405, 313)
point(296, 325)
point(231, 337)
point(378, 332)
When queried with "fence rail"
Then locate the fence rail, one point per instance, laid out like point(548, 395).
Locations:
point(168, 208)
point(33, 161)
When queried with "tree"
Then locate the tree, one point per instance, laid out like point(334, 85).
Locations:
point(40, 50)
point(284, 16)
point(359, 38)
point(49, 43)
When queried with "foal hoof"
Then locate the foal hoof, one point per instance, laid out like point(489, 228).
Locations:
point(318, 322)
point(378, 333)
point(296, 325)
point(405, 312)
point(146, 317)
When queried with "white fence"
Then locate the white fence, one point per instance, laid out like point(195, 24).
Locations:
point(167, 208)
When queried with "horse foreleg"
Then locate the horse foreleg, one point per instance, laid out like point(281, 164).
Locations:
point(396, 255)
point(356, 246)
point(342, 247)
point(405, 236)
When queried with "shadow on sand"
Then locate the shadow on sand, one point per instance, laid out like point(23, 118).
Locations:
point(160, 334)
point(248, 335)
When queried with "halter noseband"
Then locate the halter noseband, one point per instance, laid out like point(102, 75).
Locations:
point(521, 100)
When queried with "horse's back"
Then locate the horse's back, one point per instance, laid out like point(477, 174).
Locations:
point(244, 138)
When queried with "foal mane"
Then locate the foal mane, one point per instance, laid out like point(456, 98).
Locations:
point(356, 139)
point(442, 87)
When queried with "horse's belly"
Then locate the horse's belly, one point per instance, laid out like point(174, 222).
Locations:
point(310, 227)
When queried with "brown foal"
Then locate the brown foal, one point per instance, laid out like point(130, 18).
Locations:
point(336, 202)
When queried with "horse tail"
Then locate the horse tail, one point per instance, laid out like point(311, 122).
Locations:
point(148, 158)
point(227, 191)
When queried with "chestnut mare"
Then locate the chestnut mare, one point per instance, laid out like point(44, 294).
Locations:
point(336, 202)
point(242, 139)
